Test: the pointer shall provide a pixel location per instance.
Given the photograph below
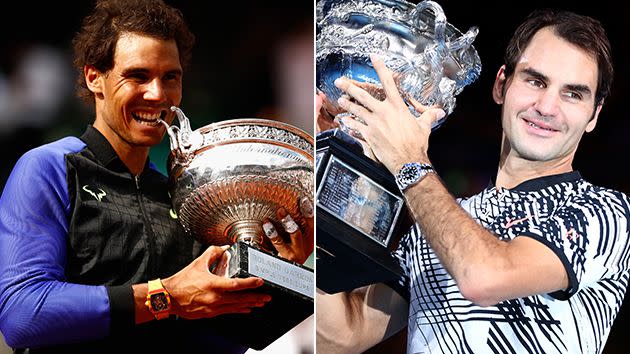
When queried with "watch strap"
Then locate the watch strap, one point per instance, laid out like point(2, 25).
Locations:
point(158, 299)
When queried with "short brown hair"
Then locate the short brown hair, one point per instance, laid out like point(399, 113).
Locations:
point(95, 43)
point(581, 31)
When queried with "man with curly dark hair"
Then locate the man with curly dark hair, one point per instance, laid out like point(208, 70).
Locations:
point(93, 258)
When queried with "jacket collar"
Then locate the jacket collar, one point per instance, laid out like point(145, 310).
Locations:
point(103, 150)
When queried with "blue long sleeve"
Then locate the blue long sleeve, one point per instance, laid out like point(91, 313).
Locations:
point(37, 306)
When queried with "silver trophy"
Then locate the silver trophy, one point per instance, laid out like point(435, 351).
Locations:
point(225, 180)
point(360, 211)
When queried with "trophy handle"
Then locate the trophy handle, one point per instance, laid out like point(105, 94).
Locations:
point(181, 138)
point(436, 56)
point(184, 131)
point(440, 21)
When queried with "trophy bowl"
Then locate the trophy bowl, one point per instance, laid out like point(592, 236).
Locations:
point(432, 60)
point(226, 178)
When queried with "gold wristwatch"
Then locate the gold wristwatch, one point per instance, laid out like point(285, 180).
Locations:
point(158, 299)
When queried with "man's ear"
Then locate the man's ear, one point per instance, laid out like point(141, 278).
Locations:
point(93, 79)
point(498, 89)
point(593, 122)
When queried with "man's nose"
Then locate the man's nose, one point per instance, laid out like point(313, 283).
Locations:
point(154, 91)
point(547, 103)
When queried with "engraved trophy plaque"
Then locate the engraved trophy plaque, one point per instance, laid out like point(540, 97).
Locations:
point(360, 211)
point(225, 179)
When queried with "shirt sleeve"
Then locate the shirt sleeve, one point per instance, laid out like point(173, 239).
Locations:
point(588, 233)
point(37, 306)
point(401, 254)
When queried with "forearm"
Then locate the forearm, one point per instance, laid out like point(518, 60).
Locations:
point(470, 253)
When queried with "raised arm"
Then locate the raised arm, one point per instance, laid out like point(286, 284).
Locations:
point(486, 269)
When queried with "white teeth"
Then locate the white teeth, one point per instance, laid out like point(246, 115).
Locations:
point(535, 126)
point(149, 119)
point(147, 116)
point(149, 123)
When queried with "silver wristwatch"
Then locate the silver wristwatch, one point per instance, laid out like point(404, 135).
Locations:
point(411, 173)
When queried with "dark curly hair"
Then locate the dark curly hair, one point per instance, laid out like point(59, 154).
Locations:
point(582, 31)
point(96, 42)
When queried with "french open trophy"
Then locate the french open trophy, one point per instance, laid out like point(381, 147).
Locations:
point(225, 180)
point(360, 211)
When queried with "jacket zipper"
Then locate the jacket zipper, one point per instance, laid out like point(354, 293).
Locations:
point(149, 231)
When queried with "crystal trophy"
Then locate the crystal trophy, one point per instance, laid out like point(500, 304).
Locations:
point(361, 214)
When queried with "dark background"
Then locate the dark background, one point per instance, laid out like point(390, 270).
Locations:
point(465, 150)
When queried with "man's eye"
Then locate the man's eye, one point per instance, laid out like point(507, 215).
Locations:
point(536, 83)
point(170, 77)
point(138, 77)
point(573, 95)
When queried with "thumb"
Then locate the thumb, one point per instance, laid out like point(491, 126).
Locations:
point(213, 253)
point(431, 115)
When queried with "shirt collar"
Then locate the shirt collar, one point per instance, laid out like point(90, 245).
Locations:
point(539, 183)
point(103, 150)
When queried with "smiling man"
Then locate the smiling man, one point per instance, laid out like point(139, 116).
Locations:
point(92, 260)
point(538, 262)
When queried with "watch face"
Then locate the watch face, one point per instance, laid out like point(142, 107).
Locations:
point(159, 302)
point(409, 173)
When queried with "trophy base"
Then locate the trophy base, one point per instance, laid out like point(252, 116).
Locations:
point(362, 260)
point(360, 216)
point(289, 284)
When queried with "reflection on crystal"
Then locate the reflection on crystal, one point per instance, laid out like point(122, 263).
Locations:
point(432, 59)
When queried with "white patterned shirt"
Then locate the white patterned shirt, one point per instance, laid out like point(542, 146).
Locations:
point(584, 225)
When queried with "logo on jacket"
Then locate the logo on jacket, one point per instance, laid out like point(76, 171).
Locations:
point(97, 195)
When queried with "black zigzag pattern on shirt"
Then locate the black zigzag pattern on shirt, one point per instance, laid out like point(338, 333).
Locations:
point(585, 225)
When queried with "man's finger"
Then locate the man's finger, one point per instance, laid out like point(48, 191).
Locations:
point(213, 253)
point(277, 241)
point(431, 115)
point(355, 109)
point(307, 211)
point(353, 127)
point(387, 80)
point(417, 105)
point(360, 95)
point(233, 308)
point(291, 227)
point(241, 297)
point(236, 284)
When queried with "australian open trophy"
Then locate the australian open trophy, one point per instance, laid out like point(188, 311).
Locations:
point(360, 211)
point(225, 180)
